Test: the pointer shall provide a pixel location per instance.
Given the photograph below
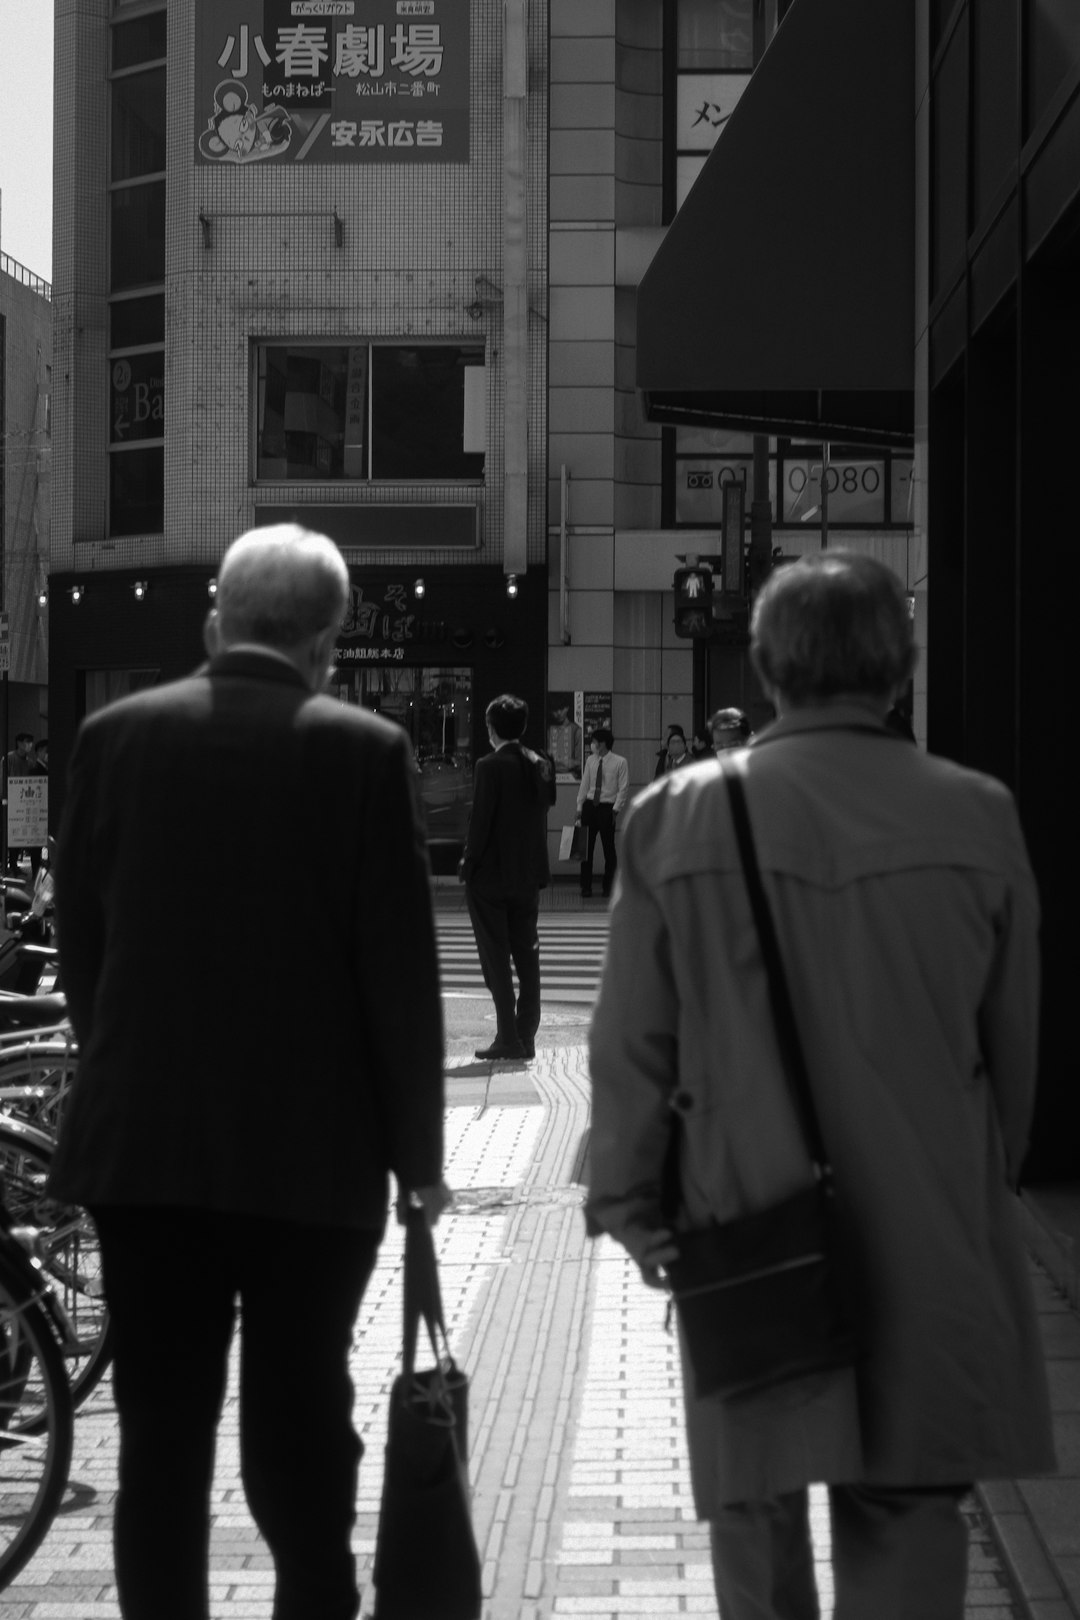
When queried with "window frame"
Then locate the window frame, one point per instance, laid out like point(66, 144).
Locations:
point(142, 289)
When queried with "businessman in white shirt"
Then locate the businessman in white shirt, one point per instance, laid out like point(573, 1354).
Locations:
point(605, 783)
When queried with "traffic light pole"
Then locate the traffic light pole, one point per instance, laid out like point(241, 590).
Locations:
point(760, 516)
point(824, 494)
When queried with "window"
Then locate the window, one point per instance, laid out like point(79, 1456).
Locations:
point(143, 39)
point(716, 34)
point(434, 705)
point(714, 52)
point(327, 412)
point(138, 124)
point(135, 321)
point(137, 490)
point(137, 215)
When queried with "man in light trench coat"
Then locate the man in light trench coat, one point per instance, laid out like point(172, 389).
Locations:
point(907, 916)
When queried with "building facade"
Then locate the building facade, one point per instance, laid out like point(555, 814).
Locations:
point(381, 274)
point(301, 273)
point(997, 352)
point(25, 478)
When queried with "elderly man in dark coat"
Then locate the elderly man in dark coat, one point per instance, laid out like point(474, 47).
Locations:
point(246, 1083)
point(907, 917)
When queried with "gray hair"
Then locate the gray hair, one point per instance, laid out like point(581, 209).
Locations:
point(833, 622)
point(280, 585)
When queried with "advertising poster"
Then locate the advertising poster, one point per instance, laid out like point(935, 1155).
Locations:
point(341, 82)
point(572, 719)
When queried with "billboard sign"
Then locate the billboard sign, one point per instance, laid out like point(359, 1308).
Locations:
point(340, 82)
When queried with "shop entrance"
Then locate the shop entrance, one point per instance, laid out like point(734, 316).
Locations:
point(434, 705)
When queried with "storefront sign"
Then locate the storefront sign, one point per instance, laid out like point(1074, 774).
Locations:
point(27, 812)
point(341, 82)
point(856, 491)
point(705, 102)
point(137, 397)
point(384, 615)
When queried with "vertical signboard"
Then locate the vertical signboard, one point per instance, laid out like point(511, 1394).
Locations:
point(341, 82)
point(27, 812)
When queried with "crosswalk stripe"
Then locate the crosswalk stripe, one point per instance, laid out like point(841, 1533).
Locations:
point(571, 957)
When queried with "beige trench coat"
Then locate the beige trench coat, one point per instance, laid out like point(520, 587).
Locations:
point(907, 915)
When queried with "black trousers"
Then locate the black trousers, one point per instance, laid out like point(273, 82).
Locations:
point(172, 1281)
point(507, 941)
point(598, 819)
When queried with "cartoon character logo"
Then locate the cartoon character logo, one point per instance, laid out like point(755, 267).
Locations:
point(238, 132)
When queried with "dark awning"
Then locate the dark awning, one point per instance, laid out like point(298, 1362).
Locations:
point(782, 297)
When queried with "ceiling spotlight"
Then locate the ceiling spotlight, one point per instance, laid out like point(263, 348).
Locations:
point(511, 586)
point(139, 588)
point(211, 588)
point(418, 589)
point(77, 594)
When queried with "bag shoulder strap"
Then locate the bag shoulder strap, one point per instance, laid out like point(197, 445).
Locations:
point(787, 1030)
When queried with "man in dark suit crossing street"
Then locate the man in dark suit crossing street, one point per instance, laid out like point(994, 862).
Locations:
point(246, 1085)
point(504, 867)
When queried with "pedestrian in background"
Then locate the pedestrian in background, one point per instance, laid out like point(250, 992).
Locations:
point(674, 754)
point(244, 1090)
point(907, 918)
point(729, 728)
point(504, 867)
point(700, 746)
point(605, 784)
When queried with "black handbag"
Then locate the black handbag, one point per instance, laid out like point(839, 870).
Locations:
point(427, 1566)
point(759, 1298)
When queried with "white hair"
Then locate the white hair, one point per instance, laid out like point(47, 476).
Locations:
point(280, 585)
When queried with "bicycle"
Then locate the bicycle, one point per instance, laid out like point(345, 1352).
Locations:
point(36, 1406)
point(35, 1076)
point(27, 951)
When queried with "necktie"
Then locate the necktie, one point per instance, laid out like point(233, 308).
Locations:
point(599, 779)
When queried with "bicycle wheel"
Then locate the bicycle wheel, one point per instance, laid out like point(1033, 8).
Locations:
point(35, 1078)
point(67, 1247)
point(36, 1424)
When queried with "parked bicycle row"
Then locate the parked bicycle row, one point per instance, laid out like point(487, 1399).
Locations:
point(54, 1331)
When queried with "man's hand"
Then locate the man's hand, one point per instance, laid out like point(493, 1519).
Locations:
point(432, 1200)
point(653, 1253)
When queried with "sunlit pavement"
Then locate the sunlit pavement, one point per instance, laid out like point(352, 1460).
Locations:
point(581, 1493)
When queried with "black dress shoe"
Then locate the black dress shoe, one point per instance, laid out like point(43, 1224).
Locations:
point(500, 1051)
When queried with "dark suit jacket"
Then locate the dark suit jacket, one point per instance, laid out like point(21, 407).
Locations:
point(506, 848)
point(251, 1039)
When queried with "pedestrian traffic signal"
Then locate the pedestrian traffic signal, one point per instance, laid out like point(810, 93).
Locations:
point(693, 601)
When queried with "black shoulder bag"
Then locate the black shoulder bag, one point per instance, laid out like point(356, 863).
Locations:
point(426, 1560)
point(758, 1298)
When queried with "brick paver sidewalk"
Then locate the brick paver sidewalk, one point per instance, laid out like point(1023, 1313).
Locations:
point(581, 1491)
